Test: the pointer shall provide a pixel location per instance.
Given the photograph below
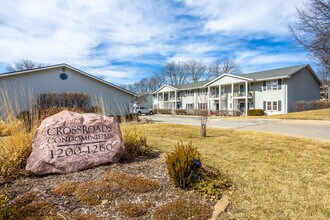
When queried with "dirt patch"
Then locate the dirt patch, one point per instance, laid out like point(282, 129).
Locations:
point(106, 192)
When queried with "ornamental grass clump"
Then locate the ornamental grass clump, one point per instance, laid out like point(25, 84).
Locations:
point(7, 212)
point(183, 165)
point(183, 209)
point(14, 150)
point(134, 210)
point(135, 144)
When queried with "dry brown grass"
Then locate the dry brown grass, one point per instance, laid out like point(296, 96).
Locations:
point(65, 188)
point(181, 209)
point(274, 176)
point(14, 150)
point(33, 205)
point(132, 183)
point(93, 192)
point(134, 210)
point(321, 114)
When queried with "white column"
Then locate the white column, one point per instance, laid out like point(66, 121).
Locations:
point(219, 97)
point(208, 99)
point(232, 96)
point(175, 100)
point(246, 98)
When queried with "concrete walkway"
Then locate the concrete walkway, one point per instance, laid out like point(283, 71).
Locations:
point(314, 129)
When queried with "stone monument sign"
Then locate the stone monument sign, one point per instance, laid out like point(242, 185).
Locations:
point(68, 142)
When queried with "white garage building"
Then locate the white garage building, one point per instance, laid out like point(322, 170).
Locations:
point(22, 87)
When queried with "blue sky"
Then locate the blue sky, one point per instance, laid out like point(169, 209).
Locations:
point(124, 41)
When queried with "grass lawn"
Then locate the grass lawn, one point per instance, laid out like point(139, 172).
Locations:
point(274, 176)
point(321, 114)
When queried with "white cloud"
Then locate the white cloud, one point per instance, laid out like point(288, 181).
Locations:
point(100, 36)
point(245, 17)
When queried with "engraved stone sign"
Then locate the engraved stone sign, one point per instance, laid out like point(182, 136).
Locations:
point(68, 142)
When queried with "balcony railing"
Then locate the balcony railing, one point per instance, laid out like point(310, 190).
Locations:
point(243, 94)
point(214, 95)
point(239, 93)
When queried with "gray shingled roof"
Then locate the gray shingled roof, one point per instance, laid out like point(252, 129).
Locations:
point(191, 85)
point(275, 73)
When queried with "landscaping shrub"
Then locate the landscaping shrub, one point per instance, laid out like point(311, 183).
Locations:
point(76, 100)
point(65, 188)
point(256, 112)
point(183, 165)
point(200, 112)
point(33, 205)
point(14, 151)
point(132, 183)
point(163, 111)
point(93, 192)
point(212, 183)
point(7, 212)
point(26, 118)
point(134, 210)
point(321, 104)
point(5, 129)
point(183, 209)
point(126, 118)
point(94, 109)
point(181, 112)
point(135, 144)
point(300, 106)
point(52, 111)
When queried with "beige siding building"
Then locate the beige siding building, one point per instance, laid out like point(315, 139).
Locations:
point(23, 86)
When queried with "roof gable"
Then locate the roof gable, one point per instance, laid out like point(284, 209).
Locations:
point(69, 67)
point(222, 79)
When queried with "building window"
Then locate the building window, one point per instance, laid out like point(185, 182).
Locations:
point(202, 106)
point(190, 106)
point(272, 85)
point(63, 76)
point(202, 92)
point(275, 106)
point(269, 106)
point(190, 93)
point(63, 70)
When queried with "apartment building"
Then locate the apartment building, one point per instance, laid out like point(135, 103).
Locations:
point(274, 91)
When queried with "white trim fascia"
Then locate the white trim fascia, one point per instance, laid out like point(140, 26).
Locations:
point(271, 78)
point(163, 87)
point(69, 67)
point(230, 75)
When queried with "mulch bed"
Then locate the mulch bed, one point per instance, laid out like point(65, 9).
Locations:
point(151, 168)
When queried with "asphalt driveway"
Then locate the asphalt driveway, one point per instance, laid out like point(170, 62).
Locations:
point(314, 129)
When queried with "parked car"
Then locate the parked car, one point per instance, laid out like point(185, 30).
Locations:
point(143, 110)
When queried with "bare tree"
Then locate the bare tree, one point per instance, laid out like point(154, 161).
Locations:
point(223, 66)
point(312, 30)
point(23, 65)
point(195, 69)
point(156, 81)
point(175, 73)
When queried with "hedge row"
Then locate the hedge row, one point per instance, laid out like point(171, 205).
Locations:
point(256, 112)
point(198, 112)
point(310, 105)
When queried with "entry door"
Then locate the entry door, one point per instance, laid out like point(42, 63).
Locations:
point(242, 106)
point(217, 106)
